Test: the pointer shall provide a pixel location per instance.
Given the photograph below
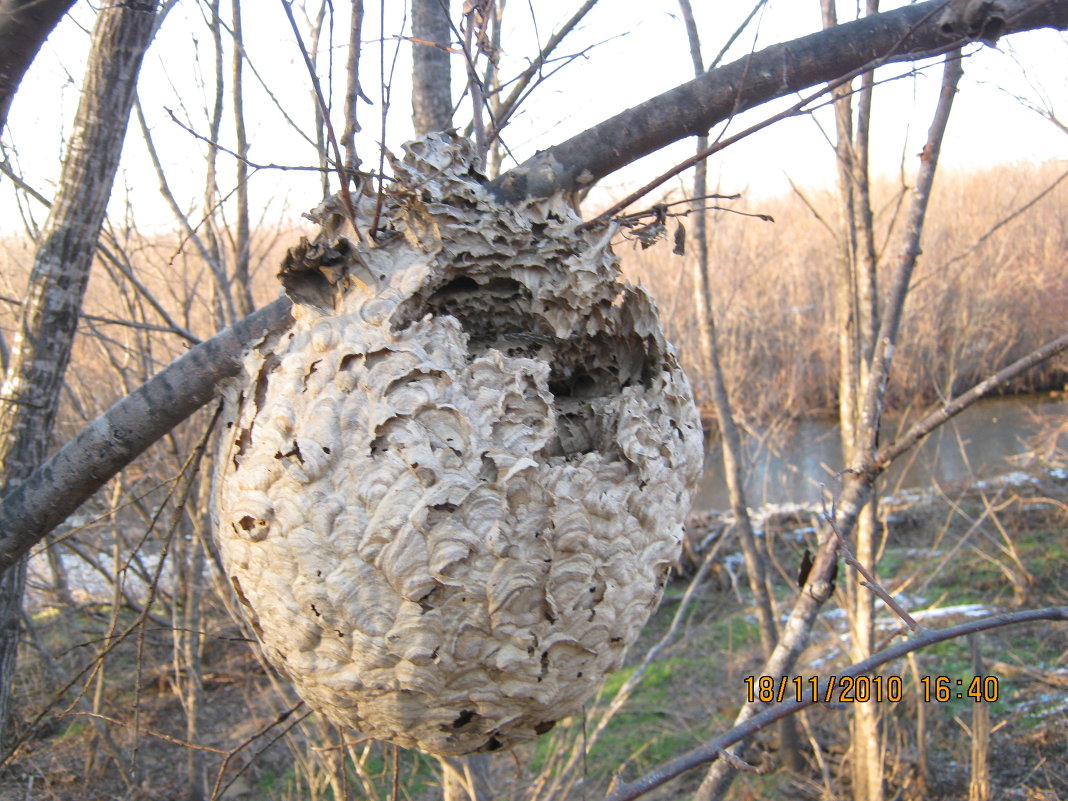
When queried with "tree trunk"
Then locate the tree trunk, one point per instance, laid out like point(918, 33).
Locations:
point(24, 26)
point(731, 442)
point(42, 345)
point(242, 281)
point(857, 313)
point(431, 90)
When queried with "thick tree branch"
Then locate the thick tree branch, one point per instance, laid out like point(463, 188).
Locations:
point(118, 436)
point(905, 34)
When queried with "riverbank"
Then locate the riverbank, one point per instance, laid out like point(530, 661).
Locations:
point(796, 461)
point(990, 286)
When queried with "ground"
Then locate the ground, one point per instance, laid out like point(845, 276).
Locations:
point(990, 547)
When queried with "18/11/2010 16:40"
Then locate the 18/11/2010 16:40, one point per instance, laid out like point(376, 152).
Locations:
point(862, 689)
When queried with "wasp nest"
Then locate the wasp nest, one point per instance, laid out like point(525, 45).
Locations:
point(449, 497)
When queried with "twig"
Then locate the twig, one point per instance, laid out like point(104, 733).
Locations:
point(134, 626)
point(474, 19)
point(795, 110)
point(512, 102)
point(346, 197)
point(217, 791)
point(157, 734)
point(887, 337)
point(737, 762)
point(353, 91)
point(870, 581)
point(164, 329)
point(931, 421)
point(386, 95)
point(253, 164)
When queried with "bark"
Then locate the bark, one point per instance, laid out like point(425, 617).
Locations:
point(857, 313)
point(431, 90)
point(877, 345)
point(42, 345)
point(730, 439)
point(905, 34)
point(24, 26)
point(353, 92)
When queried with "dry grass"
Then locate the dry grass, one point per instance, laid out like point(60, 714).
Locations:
point(982, 295)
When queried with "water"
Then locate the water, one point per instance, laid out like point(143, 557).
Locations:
point(790, 466)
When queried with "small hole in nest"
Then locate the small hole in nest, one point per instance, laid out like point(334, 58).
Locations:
point(465, 717)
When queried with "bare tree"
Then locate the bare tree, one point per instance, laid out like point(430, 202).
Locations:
point(857, 309)
point(908, 33)
point(731, 441)
point(30, 509)
point(42, 345)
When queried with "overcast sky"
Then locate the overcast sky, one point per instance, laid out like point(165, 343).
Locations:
point(632, 51)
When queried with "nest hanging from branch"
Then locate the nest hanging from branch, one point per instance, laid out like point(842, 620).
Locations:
point(449, 497)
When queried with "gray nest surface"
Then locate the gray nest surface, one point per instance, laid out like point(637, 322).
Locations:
point(448, 497)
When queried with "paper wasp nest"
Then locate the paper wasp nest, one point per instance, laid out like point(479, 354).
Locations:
point(448, 498)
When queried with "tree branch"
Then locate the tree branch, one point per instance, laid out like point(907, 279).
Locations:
point(905, 34)
point(124, 431)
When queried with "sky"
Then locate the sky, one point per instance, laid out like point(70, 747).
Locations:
point(630, 51)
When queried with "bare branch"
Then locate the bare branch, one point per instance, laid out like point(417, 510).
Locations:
point(905, 34)
point(114, 439)
point(325, 109)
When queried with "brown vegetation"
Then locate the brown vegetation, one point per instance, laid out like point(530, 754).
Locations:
point(990, 287)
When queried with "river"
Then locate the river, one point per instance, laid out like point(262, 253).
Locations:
point(789, 465)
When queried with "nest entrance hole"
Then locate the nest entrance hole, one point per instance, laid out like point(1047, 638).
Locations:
point(584, 370)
